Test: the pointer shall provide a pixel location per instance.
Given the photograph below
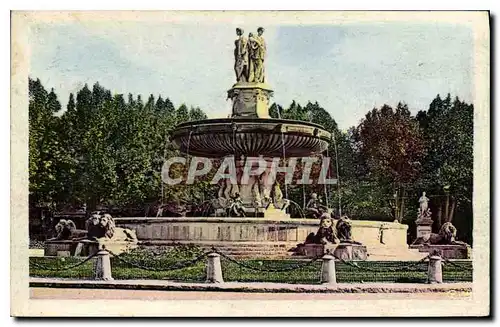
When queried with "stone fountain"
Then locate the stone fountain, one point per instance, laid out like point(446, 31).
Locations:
point(250, 132)
point(259, 225)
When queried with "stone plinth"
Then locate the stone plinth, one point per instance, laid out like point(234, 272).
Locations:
point(453, 251)
point(344, 251)
point(424, 226)
point(84, 247)
point(52, 247)
point(250, 99)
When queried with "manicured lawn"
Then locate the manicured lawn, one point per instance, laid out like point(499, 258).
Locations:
point(368, 271)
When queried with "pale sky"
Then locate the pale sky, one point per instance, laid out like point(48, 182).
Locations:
point(347, 69)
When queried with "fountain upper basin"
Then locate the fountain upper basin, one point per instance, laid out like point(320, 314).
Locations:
point(215, 138)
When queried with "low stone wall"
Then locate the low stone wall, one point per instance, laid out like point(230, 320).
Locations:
point(293, 231)
point(451, 251)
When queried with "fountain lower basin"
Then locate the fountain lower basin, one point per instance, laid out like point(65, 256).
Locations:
point(260, 237)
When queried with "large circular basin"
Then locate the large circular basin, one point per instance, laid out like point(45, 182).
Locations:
point(253, 137)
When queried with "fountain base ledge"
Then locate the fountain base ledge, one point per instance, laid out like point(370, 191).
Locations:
point(383, 240)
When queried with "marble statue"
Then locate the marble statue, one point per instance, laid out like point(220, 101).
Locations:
point(257, 53)
point(423, 210)
point(314, 206)
point(241, 57)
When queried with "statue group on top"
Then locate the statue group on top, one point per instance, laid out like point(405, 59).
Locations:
point(249, 55)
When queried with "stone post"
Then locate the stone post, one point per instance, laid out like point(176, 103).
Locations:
point(102, 266)
point(214, 270)
point(328, 270)
point(435, 272)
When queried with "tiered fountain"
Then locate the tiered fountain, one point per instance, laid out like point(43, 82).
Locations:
point(250, 132)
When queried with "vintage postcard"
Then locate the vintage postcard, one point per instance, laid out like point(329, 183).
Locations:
point(204, 163)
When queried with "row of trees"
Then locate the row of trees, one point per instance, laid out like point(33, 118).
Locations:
point(102, 150)
point(105, 149)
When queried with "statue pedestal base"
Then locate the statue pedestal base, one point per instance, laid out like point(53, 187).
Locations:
point(424, 226)
point(344, 251)
point(452, 251)
point(250, 99)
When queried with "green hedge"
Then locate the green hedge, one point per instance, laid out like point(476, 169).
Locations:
point(368, 271)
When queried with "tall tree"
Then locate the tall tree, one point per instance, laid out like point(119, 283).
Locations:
point(46, 156)
point(390, 143)
point(448, 129)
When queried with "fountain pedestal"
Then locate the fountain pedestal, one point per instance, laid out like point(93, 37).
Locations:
point(250, 99)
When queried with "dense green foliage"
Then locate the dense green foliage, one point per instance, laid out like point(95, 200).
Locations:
point(106, 149)
point(102, 150)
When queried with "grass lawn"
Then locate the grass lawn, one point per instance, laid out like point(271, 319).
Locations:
point(368, 271)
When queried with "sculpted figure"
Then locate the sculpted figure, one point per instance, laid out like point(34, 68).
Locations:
point(423, 210)
point(241, 57)
point(326, 233)
point(102, 227)
point(159, 212)
point(222, 200)
point(94, 229)
point(446, 236)
point(66, 230)
point(265, 187)
point(236, 208)
point(314, 206)
point(332, 231)
point(257, 53)
point(257, 200)
point(344, 231)
point(280, 202)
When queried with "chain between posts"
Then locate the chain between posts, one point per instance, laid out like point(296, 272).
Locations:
point(448, 261)
point(306, 264)
point(402, 268)
point(180, 265)
point(36, 265)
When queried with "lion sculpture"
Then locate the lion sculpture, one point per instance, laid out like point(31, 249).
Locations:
point(66, 230)
point(344, 231)
point(332, 231)
point(103, 227)
point(326, 233)
point(446, 236)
